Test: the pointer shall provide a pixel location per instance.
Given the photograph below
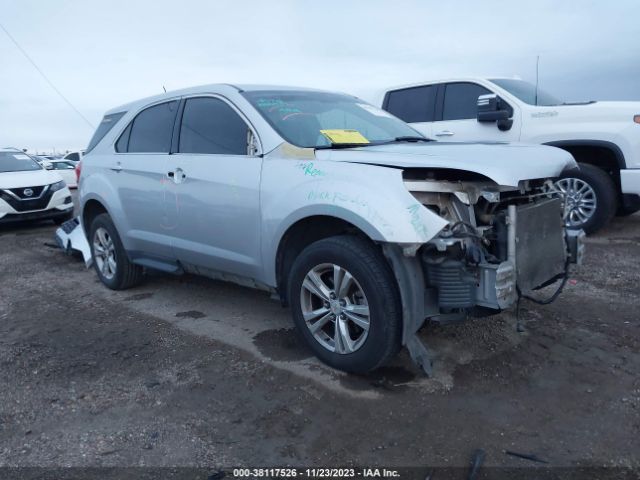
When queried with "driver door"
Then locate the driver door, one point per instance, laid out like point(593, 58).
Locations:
point(457, 116)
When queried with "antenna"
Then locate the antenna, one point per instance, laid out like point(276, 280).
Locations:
point(165, 90)
point(537, 78)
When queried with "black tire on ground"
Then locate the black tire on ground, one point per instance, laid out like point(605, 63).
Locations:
point(66, 218)
point(606, 196)
point(368, 266)
point(127, 274)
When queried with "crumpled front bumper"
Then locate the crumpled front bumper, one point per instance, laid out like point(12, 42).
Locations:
point(70, 236)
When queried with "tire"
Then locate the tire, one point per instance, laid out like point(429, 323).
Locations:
point(123, 274)
point(373, 288)
point(61, 220)
point(604, 191)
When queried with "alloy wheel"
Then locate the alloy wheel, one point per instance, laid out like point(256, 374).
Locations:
point(580, 201)
point(104, 253)
point(335, 308)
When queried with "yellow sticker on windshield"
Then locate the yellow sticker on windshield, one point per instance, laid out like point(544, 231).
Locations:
point(338, 136)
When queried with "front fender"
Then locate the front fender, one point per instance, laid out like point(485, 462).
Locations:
point(370, 197)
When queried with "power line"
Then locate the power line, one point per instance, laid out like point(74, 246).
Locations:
point(45, 77)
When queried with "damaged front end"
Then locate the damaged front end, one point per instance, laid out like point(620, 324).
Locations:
point(499, 243)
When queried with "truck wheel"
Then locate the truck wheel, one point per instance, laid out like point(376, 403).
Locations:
point(591, 198)
point(110, 259)
point(346, 304)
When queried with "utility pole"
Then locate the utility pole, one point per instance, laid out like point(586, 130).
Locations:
point(537, 77)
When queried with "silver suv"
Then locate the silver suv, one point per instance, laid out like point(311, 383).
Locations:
point(363, 226)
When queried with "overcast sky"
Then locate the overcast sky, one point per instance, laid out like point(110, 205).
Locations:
point(100, 54)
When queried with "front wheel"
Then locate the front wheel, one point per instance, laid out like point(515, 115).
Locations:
point(346, 304)
point(110, 259)
point(590, 198)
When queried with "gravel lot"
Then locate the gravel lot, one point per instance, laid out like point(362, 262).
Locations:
point(184, 371)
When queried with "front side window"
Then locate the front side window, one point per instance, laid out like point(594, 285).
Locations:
point(461, 100)
point(301, 117)
point(152, 128)
point(210, 125)
point(17, 162)
point(415, 104)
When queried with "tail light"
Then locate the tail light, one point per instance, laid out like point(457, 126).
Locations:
point(78, 171)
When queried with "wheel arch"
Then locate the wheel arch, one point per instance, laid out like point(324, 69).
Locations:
point(90, 210)
point(599, 153)
point(302, 233)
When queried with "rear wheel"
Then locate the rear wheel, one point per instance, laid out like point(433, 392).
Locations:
point(345, 303)
point(110, 259)
point(591, 198)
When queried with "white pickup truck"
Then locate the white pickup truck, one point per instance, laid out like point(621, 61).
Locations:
point(604, 137)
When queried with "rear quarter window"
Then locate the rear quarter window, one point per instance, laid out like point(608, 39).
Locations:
point(107, 123)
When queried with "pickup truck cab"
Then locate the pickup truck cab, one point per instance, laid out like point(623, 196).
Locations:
point(604, 137)
point(359, 223)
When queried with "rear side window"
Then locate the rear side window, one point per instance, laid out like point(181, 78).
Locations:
point(152, 128)
point(105, 126)
point(210, 125)
point(461, 100)
point(412, 104)
point(74, 157)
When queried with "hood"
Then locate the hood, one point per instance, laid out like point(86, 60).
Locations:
point(596, 111)
point(33, 178)
point(505, 163)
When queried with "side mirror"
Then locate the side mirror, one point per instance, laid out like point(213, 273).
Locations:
point(491, 108)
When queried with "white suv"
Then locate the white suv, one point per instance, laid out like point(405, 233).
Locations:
point(30, 192)
point(604, 137)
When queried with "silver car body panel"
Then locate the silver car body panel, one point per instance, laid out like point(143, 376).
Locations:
point(233, 217)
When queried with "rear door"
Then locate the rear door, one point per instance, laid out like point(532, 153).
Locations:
point(457, 116)
point(140, 173)
point(216, 180)
point(415, 105)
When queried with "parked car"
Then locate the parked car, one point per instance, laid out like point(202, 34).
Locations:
point(359, 223)
point(74, 156)
point(66, 169)
point(30, 192)
point(604, 137)
point(47, 158)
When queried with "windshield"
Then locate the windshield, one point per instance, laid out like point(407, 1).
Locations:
point(320, 119)
point(17, 162)
point(526, 92)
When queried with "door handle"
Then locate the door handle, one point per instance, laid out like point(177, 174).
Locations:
point(117, 167)
point(177, 175)
point(444, 133)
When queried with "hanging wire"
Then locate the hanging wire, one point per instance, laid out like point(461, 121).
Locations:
point(26, 55)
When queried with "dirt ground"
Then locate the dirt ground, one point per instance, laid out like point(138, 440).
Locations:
point(185, 371)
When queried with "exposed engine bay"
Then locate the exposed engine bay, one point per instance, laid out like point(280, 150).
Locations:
point(500, 242)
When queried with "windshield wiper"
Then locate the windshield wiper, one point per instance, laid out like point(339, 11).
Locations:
point(343, 145)
point(405, 138)
point(412, 138)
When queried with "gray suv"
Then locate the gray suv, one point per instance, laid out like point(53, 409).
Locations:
point(363, 226)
